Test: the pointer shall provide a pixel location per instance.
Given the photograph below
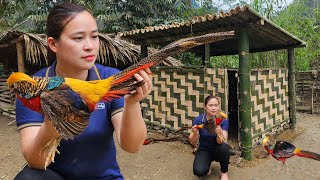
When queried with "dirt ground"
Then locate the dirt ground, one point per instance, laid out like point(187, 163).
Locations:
point(173, 160)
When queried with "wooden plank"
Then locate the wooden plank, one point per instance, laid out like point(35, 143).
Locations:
point(3, 83)
point(5, 96)
point(5, 100)
point(304, 108)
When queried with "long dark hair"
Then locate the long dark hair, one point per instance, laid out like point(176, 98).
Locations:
point(57, 19)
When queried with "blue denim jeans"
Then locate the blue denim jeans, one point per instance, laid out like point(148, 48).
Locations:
point(203, 159)
point(28, 173)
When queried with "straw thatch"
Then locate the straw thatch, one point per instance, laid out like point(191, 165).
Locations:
point(113, 52)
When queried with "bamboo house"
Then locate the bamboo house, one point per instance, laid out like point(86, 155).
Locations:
point(257, 100)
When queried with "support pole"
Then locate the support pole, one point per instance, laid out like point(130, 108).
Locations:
point(206, 64)
point(292, 88)
point(144, 51)
point(245, 94)
point(20, 56)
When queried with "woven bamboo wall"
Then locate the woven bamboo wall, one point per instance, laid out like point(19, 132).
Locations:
point(308, 91)
point(178, 94)
point(269, 97)
point(5, 95)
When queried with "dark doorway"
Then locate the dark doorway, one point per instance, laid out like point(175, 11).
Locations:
point(233, 105)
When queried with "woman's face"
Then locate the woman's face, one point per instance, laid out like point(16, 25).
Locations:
point(212, 107)
point(78, 45)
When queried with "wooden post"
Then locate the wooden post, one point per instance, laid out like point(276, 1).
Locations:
point(144, 51)
point(245, 94)
point(312, 96)
point(206, 64)
point(20, 55)
point(292, 88)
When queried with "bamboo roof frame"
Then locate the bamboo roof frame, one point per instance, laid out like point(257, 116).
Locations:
point(264, 35)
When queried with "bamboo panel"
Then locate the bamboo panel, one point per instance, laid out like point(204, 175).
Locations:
point(178, 95)
point(269, 97)
point(308, 91)
point(5, 95)
point(217, 84)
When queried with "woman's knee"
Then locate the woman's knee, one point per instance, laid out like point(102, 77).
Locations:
point(200, 171)
point(223, 148)
point(28, 173)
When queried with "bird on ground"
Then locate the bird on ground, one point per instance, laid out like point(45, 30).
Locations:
point(283, 150)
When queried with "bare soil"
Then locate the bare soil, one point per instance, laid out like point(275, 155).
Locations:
point(173, 160)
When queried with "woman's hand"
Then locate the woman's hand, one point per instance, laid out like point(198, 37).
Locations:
point(218, 130)
point(220, 136)
point(195, 130)
point(194, 136)
point(141, 92)
point(129, 125)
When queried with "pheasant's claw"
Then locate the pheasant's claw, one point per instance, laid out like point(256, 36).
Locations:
point(282, 168)
point(287, 170)
point(50, 149)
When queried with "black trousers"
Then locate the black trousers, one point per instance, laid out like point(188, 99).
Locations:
point(203, 159)
point(28, 173)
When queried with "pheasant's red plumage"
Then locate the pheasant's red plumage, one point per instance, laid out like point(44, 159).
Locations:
point(283, 150)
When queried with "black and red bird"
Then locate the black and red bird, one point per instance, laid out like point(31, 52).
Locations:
point(283, 150)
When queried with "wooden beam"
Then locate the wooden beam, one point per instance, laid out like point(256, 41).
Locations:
point(20, 57)
point(292, 89)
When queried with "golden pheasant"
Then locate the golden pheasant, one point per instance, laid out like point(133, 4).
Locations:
point(67, 102)
point(283, 150)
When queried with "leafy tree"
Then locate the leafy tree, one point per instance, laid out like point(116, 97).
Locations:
point(301, 18)
point(127, 15)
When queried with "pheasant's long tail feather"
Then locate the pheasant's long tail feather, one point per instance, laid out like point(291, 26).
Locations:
point(309, 154)
point(169, 50)
point(121, 89)
point(128, 74)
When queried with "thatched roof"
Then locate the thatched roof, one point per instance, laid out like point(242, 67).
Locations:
point(113, 52)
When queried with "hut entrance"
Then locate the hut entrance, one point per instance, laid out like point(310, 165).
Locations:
point(233, 105)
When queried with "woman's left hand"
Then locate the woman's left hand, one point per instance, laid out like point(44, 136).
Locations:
point(141, 92)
